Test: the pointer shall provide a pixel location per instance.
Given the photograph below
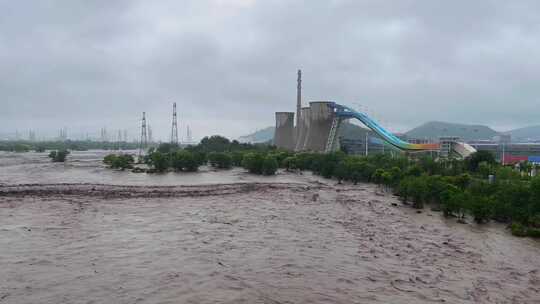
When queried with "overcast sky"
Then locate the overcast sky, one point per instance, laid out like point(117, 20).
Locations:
point(230, 64)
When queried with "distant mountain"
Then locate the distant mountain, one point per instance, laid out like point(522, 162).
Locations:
point(258, 136)
point(435, 129)
point(351, 131)
point(525, 134)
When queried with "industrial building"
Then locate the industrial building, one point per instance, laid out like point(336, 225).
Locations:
point(510, 153)
point(284, 132)
point(317, 129)
point(302, 128)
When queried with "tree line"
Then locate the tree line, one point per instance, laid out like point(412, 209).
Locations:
point(73, 145)
point(478, 186)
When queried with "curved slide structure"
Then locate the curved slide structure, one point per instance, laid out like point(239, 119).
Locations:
point(344, 112)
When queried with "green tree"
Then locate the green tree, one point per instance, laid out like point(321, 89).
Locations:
point(396, 175)
point(506, 173)
point(253, 162)
point(340, 172)
point(418, 190)
point(448, 199)
point(215, 143)
point(476, 158)
point(269, 165)
point(122, 161)
point(377, 176)
point(184, 161)
point(481, 208)
point(167, 148)
point(109, 159)
point(485, 169)
point(159, 161)
point(290, 163)
point(236, 157)
point(58, 156)
point(403, 189)
point(220, 160)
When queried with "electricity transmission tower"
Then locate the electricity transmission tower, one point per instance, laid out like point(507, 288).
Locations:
point(174, 128)
point(150, 138)
point(119, 140)
point(104, 136)
point(189, 137)
point(144, 139)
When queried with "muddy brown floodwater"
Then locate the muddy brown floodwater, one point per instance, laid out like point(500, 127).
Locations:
point(79, 233)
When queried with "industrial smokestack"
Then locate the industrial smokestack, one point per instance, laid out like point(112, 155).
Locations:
point(302, 129)
point(298, 101)
point(320, 123)
point(284, 132)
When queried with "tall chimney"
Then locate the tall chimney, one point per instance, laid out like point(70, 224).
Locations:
point(299, 99)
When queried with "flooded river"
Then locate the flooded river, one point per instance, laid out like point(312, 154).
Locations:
point(81, 233)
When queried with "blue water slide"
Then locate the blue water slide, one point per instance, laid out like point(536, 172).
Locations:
point(345, 112)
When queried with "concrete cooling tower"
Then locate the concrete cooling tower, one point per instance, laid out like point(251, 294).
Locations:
point(320, 123)
point(302, 129)
point(284, 132)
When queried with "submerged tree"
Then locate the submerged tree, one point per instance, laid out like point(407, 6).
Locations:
point(59, 156)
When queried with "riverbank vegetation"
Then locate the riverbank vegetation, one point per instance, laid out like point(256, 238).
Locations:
point(478, 187)
point(121, 161)
point(73, 145)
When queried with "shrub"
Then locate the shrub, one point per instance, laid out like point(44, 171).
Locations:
point(253, 162)
point(200, 157)
point(280, 156)
point(359, 170)
point(403, 189)
point(533, 232)
point(290, 163)
point(59, 156)
point(485, 169)
point(123, 161)
point(506, 173)
point(159, 161)
point(220, 160)
point(236, 158)
point(414, 171)
point(18, 147)
point(340, 172)
point(418, 191)
point(269, 165)
point(481, 208)
point(377, 176)
point(473, 160)
point(109, 158)
point(167, 148)
point(451, 201)
point(518, 229)
point(184, 161)
point(395, 174)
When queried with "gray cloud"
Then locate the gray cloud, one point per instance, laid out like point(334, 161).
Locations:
point(230, 64)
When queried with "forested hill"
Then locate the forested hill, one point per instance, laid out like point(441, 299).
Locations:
point(435, 129)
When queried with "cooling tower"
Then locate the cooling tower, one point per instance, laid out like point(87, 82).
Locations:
point(284, 132)
point(320, 122)
point(302, 129)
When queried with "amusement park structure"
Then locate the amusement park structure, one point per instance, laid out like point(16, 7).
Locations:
point(317, 129)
